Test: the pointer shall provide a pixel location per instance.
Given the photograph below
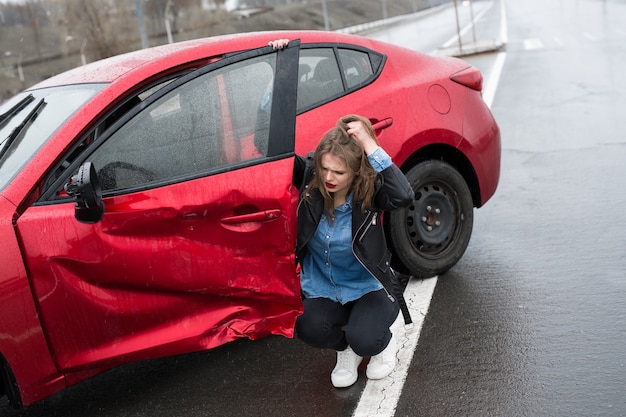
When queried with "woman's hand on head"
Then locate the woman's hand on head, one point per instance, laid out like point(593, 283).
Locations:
point(358, 131)
point(279, 43)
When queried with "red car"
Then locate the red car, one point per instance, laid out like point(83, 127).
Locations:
point(146, 205)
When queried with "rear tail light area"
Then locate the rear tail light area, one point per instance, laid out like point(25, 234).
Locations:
point(469, 77)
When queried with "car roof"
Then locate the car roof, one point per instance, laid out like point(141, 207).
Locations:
point(152, 60)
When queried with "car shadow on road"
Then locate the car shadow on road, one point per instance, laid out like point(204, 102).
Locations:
point(273, 376)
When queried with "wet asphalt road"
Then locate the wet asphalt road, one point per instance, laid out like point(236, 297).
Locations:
point(531, 322)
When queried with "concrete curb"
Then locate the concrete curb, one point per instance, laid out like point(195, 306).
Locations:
point(377, 24)
point(474, 48)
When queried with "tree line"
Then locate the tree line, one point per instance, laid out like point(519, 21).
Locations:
point(105, 26)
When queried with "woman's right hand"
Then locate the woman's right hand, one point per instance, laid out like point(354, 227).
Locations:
point(361, 135)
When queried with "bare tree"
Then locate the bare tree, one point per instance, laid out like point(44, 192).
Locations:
point(105, 28)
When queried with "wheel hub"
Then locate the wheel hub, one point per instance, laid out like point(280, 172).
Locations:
point(431, 220)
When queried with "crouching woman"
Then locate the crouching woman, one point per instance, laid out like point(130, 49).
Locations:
point(350, 300)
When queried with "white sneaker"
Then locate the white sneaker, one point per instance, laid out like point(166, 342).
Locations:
point(346, 371)
point(382, 364)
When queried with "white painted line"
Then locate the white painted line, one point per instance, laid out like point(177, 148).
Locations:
point(489, 91)
point(533, 43)
point(380, 397)
point(504, 29)
point(589, 36)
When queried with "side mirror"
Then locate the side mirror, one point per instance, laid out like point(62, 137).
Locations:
point(85, 189)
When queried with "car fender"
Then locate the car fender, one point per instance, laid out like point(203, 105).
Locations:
point(22, 339)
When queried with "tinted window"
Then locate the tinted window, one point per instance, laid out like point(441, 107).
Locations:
point(321, 77)
point(318, 76)
point(213, 121)
point(97, 131)
point(356, 65)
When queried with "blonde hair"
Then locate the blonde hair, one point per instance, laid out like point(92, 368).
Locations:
point(339, 143)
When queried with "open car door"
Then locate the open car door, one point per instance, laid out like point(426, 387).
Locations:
point(194, 247)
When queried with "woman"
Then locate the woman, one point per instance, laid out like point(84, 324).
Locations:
point(347, 285)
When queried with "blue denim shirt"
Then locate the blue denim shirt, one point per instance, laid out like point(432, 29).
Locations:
point(330, 269)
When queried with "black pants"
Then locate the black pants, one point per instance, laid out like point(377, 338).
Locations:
point(363, 324)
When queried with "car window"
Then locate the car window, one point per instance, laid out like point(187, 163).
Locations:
point(48, 108)
point(327, 73)
point(211, 122)
point(100, 130)
point(318, 76)
point(356, 65)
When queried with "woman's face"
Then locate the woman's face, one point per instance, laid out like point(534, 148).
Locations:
point(337, 176)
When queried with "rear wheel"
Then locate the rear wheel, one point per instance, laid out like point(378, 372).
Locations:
point(431, 234)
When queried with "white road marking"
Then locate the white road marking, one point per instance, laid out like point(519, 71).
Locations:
point(380, 397)
point(590, 36)
point(504, 29)
point(489, 90)
point(533, 43)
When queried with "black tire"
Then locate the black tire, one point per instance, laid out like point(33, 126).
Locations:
point(8, 385)
point(430, 235)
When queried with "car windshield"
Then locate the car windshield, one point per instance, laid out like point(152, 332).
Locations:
point(30, 118)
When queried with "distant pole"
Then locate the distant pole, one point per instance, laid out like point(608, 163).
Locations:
point(384, 9)
point(142, 29)
point(170, 39)
point(458, 26)
point(472, 16)
point(20, 70)
point(83, 58)
point(325, 13)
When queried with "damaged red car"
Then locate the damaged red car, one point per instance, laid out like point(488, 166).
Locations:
point(146, 205)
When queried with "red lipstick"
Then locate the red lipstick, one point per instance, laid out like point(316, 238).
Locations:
point(330, 186)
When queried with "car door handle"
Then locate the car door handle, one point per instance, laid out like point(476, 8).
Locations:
point(256, 217)
point(383, 124)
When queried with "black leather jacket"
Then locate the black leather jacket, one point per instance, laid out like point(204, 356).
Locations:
point(392, 191)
